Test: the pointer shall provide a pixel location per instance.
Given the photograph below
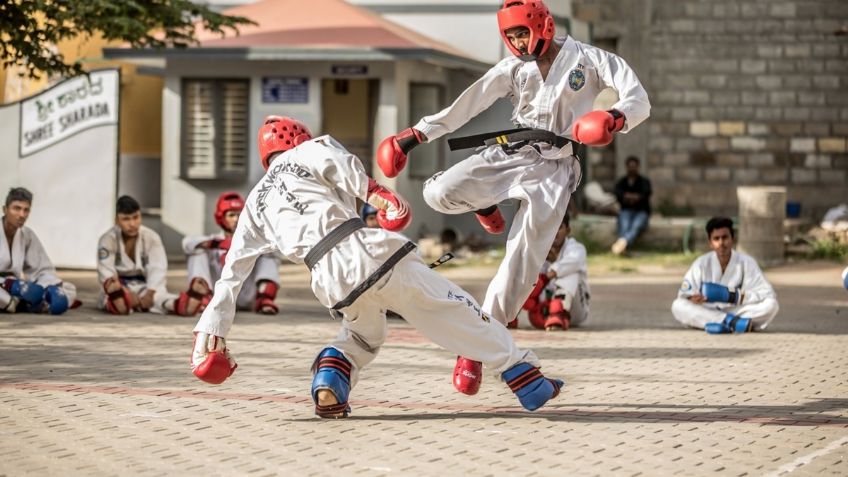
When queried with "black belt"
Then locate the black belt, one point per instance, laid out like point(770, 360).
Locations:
point(378, 274)
point(331, 239)
point(508, 136)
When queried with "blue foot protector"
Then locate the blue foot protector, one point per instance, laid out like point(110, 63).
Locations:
point(731, 324)
point(57, 301)
point(332, 372)
point(30, 294)
point(531, 386)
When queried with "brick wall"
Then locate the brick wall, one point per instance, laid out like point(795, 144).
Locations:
point(744, 92)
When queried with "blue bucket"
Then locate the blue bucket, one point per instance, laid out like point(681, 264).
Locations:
point(793, 210)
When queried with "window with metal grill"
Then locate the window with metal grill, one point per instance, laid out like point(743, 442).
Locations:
point(215, 128)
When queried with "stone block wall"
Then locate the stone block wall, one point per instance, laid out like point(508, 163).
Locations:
point(743, 92)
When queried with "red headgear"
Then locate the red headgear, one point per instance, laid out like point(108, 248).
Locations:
point(227, 201)
point(532, 14)
point(279, 134)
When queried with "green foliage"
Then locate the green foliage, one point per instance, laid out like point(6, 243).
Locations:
point(829, 249)
point(30, 29)
point(668, 209)
point(608, 262)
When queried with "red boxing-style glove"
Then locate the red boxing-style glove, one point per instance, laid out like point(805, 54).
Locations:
point(393, 212)
point(597, 127)
point(210, 359)
point(393, 150)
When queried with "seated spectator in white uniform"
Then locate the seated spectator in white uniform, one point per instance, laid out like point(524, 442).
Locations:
point(131, 265)
point(564, 278)
point(28, 280)
point(205, 260)
point(725, 291)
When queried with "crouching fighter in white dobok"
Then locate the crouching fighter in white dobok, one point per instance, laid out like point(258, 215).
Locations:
point(552, 83)
point(725, 291)
point(305, 208)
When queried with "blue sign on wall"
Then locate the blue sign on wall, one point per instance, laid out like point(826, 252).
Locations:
point(289, 90)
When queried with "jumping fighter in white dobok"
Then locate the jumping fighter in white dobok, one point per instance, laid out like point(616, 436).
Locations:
point(305, 208)
point(552, 83)
point(725, 291)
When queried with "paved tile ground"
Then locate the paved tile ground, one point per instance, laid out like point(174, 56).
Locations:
point(90, 394)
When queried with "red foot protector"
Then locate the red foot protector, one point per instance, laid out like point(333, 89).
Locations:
point(467, 375)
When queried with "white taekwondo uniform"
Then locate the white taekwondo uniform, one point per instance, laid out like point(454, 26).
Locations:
point(742, 272)
point(145, 271)
point(542, 179)
point(27, 260)
point(206, 264)
point(572, 279)
point(308, 192)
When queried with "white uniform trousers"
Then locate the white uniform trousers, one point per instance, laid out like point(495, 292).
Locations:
point(696, 316)
point(206, 265)
point(441, 310)
point(542, 187)
point(577, 298)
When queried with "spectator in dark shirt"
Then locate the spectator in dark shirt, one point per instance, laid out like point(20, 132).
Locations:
point(633, 193)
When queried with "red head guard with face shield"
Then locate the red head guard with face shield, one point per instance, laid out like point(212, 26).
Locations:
point(227, 201)
point(531, 14)
point(279, 134)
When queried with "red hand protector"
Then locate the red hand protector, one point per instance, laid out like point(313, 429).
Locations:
point(597, 127)
point(393, 150)
point(393, 212)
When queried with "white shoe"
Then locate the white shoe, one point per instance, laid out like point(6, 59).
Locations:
point(619, 246)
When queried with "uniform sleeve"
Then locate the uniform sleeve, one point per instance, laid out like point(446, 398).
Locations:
point(157, 266)
point(106, 252)
point(345, 172)
point(754, 285)
point(615, 73)
point(495, 84)
point(691, 282)
point(573, 260)
point(247, 246)
point(37, 265)
point(191, 242)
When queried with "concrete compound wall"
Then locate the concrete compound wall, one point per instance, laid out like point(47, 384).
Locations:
point(743, 92)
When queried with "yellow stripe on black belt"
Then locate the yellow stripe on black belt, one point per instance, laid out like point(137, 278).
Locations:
point(502, 139)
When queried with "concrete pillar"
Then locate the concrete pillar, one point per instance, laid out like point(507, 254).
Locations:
point(761, 214)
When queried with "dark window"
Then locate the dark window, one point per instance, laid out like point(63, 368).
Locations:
point(215, 128)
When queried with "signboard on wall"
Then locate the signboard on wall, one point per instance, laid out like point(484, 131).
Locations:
point(288, 90)
point(62, 145)
point(349, 70)
point(66, 109)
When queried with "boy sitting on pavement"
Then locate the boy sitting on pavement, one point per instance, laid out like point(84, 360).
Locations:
point(28, 280)
point(725, 291)
point(564, 276)
point(205, 260)
point(131, 265)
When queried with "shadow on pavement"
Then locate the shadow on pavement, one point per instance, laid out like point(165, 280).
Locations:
point(808, 414)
